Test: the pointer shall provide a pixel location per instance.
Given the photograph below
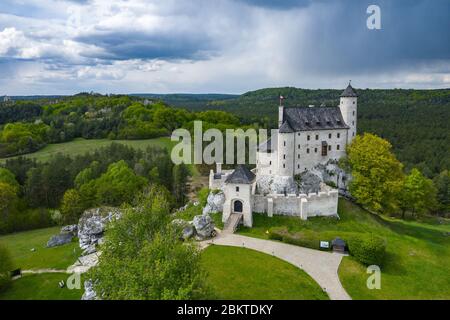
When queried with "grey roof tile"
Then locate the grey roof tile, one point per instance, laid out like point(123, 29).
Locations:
point(314, 118)
point(349, 92)
point(285, 128)
point(241, 175)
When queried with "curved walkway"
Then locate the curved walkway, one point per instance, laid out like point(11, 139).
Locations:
point(321, 266)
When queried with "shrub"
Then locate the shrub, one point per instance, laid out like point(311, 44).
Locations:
point(367, 249)
point(331, 184)
point(277, 233)
point(203, 196)
point(5, 267)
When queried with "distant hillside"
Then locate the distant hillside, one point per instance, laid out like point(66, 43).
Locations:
point(188, 100)
point(416, 122)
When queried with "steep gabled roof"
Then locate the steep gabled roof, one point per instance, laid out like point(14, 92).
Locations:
point(349, 92)
point(314, 118)
point(241, 175)
point(266, 146)
point(285, 128)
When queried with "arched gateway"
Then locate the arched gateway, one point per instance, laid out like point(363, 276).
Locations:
point(237, 206)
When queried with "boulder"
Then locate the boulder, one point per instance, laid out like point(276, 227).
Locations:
point(72, 229)
point(276, 185)
point(89, 292)
point(188, 232)
point(330, 172)
point(92, 225)
point(204, 227)
point(214, 203)
point(59, 240)
point(187, 229)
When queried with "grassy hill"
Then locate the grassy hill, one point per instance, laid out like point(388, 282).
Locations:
point(418, 253)
point(80, 146)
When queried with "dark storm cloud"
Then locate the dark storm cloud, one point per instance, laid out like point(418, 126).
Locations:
point(413, 32)
point(138, 45)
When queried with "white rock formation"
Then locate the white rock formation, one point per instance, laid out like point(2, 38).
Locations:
point(271, 184)
point(214, 202)
point(92, 225)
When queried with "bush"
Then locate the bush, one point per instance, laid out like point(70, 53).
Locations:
point(367, 249)
point(6, 267)
point(278, 233)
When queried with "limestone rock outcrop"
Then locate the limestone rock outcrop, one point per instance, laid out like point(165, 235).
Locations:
point(92, 225)
point(276, 185)
point(204, 227)
point(59, 240)
point(214, 203)
point(309, 182)
point(89, 292)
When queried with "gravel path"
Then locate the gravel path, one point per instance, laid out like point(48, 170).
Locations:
point(321, 266)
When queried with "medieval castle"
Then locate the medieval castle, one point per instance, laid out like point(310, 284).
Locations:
point(308, 138)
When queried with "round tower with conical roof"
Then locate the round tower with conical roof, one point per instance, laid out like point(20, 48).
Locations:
point(349, 105)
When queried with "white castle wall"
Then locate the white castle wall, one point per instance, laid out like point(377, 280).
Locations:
point(303, 206)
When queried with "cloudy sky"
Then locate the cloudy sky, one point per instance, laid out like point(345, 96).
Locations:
point(223, 46)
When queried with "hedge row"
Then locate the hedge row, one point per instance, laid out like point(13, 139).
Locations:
point(366, 248)
point(308, 239)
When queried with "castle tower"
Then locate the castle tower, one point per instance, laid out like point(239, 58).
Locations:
point(349, 105)
point(280, 112)
point(286, 137)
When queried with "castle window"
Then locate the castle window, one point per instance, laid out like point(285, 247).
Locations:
point(298, 134)
point(317, 137)
point(237, 189)
point(338, 135)
point(270, 162)
point(329, 148)
point(309, 138)
point(284, 156)
point(353, 123)
point(298, 166)
point(299, 146)
point(353, 102)
point(284, 166)
point(284, 143)
point(338, 147)
point(353, 134)
point(298, 156)
point(324, 150)
point(315, 150)
point(329, 136)
point(353, 112)
point(307, 150)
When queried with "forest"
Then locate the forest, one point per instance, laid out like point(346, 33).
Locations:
point(415, 122)
point(37, 194)
point(30, 191)
point(27, 126)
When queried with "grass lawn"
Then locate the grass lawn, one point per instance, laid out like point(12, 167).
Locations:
point(417, 263)
point(41, 287)
point(21, 243)
point(80, 146)
point(239, 273)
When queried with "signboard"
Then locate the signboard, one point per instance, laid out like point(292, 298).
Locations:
point(324, 244)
